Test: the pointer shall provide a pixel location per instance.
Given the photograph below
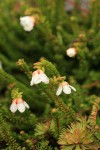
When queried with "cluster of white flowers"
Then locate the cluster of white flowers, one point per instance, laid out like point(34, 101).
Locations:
point(39, 76)
point(28, 23)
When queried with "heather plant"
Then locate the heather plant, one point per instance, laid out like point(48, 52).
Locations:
point(49, 76)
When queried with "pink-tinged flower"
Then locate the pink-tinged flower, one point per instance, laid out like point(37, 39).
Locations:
point(71, 52)
point(65, 87)
point(39, 76)
point(27, 22)
point(19, 104)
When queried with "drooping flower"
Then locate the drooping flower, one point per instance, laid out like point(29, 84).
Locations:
point(71, 52)
point(39, 76)
point(19, 104)
point(65, 87)
point(27, 22)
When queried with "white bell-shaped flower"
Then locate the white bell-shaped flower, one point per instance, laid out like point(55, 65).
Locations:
point(39, 76)
point(19, 104)
point(71, 52)
point(65, 87)
point(27, 22)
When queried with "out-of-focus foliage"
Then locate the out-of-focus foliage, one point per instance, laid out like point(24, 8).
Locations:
point(66, 122)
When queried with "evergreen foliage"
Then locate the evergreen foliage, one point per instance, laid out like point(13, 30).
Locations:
point(64, 122)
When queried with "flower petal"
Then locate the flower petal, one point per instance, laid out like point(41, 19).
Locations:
point(44, 78)
point(32, 81)
point(37, 79)
point(67, 89)
point(59, 90)
point(26, 105)
point(13, 107)
point(72, 88)
point(28, 28)
point(21, 107)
